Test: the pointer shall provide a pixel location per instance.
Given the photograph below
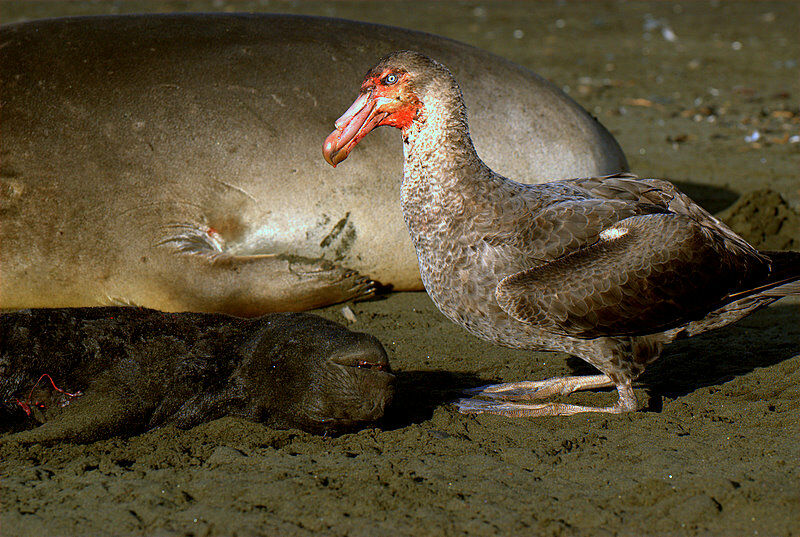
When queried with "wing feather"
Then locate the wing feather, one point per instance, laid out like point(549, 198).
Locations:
point(655, 271)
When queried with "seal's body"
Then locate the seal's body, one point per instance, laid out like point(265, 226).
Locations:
point(172, 161)
point(121, 370)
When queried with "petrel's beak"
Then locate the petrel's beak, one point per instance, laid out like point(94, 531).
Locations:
point(354, 124)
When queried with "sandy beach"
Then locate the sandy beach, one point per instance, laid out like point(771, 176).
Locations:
point(701, 93)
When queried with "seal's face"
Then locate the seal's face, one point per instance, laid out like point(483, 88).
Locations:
point(353, 385)
point(320, 377)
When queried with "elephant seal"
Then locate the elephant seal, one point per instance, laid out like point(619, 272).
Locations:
point(172, 161)
point(92, 373)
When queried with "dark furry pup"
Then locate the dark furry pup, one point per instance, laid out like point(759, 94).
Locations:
point(92, 373)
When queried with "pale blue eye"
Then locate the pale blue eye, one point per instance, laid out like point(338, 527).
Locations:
point(391, 79)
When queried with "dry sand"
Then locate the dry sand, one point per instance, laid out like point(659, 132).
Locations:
point(715, 453)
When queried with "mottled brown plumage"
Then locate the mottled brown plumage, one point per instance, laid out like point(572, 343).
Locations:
point(609, 269)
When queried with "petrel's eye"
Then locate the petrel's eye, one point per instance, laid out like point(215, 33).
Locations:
point(390, 79)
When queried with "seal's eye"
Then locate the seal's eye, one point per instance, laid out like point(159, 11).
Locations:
point(390, 79)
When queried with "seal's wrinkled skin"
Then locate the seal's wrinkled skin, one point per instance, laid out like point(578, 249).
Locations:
point(128, 370)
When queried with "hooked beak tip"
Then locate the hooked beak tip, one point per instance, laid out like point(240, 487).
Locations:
point(353, 125)
point(329, 151)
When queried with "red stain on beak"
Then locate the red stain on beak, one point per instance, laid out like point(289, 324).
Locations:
point(357, 122)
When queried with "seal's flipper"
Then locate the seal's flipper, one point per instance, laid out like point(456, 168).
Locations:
point(196, 272)
point(255, 284)
point(93, 417)
point(200, 408)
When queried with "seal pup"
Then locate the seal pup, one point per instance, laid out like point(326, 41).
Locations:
point(91, 373)
point(609, 269)
point(170, 161)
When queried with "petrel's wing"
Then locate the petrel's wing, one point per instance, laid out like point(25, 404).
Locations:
point(644, 274)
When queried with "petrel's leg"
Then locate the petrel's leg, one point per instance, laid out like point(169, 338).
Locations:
point(539, 389)
point(626, 403)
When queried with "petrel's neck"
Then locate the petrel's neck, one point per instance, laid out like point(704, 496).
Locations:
point(439, 153)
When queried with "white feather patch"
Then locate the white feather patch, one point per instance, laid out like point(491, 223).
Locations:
point(612, 233)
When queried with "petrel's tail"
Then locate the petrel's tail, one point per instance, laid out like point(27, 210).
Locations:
point(782, 280)
point(784, 276)
point(785, 273)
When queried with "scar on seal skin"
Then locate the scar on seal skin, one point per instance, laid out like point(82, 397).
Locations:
point(120, 371)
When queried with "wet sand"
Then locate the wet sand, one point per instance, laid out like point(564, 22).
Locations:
point(716, 451)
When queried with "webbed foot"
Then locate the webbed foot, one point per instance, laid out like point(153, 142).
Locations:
point(502, 397)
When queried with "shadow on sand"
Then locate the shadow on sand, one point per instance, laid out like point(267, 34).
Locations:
point(419, 393)
point(712, 198)
point(765, 338)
